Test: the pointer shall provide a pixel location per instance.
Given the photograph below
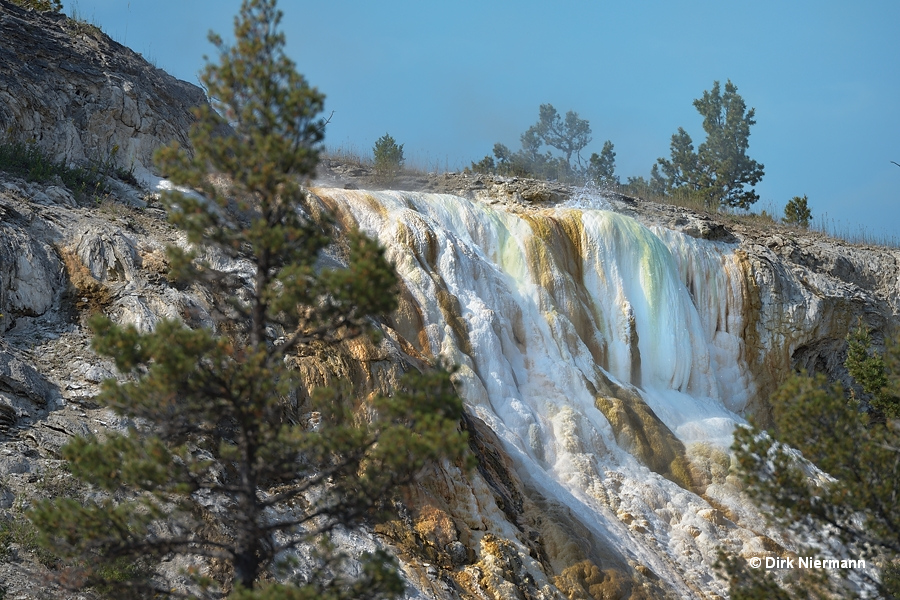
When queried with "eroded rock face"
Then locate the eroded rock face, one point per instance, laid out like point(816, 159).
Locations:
point(83, 97)
point(480, 534)
point(807, 293)
point(31, 274)
point(486, 533)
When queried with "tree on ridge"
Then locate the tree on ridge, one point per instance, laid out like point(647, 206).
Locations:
point(388, 158)
point(569, 135)
point(602, 167)
point(796, 212)
point(720, 171)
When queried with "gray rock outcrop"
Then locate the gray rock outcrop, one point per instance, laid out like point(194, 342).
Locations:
point(82, 96)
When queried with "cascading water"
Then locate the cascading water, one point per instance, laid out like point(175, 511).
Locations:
point(607, 356)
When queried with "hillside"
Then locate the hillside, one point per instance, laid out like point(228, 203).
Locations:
point(606, 344)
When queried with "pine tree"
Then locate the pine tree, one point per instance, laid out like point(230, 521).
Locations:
point(870, 372)
point(796, 212)
point(388, 158)
point(602, 167)
point(720, 170)
point(215, 466)
point(852, 496)
point(683, 171)
point(569, 135)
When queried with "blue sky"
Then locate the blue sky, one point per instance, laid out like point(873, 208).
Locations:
point(449, 79)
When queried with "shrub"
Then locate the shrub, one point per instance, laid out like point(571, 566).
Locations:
point(41, 5)
point(30, 162)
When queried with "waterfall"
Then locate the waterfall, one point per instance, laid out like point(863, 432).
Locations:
point(606, 355)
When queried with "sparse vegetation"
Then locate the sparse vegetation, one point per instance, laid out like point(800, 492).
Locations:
point(17, 530)
point(569, 135)
point(80, 26)
point(348, 154)
point(855, 234)
point(30, 162)
point(40, 5)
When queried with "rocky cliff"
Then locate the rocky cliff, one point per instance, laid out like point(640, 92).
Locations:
point(606, 343)
point(83, 97)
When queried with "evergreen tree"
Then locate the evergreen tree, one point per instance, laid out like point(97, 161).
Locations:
point(720, 170)
point(683, 171)
point(569, 135)
point(640, 187)
point(871, 372)
point(602, 167)
point(796, 212)
point(216, 467)
point(843, 487)
point(388, 158)
point(485, 165)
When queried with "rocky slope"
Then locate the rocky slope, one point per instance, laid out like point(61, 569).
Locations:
point(491, 533)
point(83, 97)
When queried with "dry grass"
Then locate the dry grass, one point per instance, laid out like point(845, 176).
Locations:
point(854, 234)
point(418, 164)
point(90, 295)
point(350, 154)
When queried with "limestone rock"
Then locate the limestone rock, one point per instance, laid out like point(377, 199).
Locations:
point(20, 379)
point(83, 97)
point(8, 416)
point(108, 253)
point(30, 271)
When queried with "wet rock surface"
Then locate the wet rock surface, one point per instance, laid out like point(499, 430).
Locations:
point(807, 289)
point(462, 532)
point(483, 534)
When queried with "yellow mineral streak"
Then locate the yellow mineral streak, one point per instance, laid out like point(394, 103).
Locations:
point(639, 430)
point(554, 254)
point(766, 373)
point(587, 581)
point(487, 530)
point(450, 309)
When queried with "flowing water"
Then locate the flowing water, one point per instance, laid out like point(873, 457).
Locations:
point(608, 357)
